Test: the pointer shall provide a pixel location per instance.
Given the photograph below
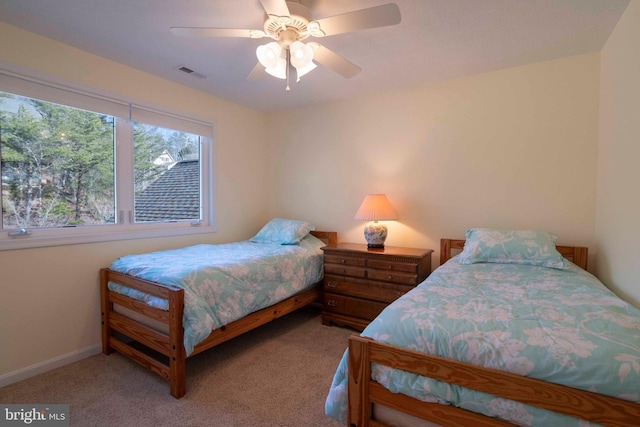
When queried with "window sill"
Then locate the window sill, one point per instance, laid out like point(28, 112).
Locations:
point(91, 235)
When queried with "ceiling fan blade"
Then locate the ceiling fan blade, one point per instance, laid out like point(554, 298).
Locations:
point(257, 73)
point(332, 60)
point(216, 32)
point(275, 7)
point(373, 17)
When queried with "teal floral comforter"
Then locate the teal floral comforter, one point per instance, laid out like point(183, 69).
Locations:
point(562, 326)
point(224, 282)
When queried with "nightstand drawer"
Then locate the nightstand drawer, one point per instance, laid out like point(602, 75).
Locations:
point(393, 266)
point(355, 307)
point(345, 270)
point(393, 276)
point(359, 288)
point(342, 260)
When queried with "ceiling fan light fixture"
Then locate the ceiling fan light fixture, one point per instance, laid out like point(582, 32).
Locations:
point(279, 70)
point(269, 54)
point(301, 54)
point(302, 71)
point(289, 22)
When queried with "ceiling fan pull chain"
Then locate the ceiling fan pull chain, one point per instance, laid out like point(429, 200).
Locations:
point(288, 53)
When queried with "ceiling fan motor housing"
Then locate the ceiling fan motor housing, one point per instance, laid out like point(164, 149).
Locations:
point(287, 29)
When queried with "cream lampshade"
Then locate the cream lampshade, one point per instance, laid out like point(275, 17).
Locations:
point(374, 208)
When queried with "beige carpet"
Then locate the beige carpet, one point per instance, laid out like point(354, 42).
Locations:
point(277, 375)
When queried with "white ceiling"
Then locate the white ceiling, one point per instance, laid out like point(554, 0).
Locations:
point(436, 40)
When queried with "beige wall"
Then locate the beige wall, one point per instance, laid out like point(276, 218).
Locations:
point(513, 149)
point(618, 204)
point(50, 302)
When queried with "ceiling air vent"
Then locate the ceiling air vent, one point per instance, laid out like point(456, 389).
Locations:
point(189, 71)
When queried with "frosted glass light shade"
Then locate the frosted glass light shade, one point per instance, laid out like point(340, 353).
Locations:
point(301, 54)
point(302, 71)
point(269, 54)
point(279, 70)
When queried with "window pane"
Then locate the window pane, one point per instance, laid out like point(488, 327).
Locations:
point(57, 165)
point(166, 174)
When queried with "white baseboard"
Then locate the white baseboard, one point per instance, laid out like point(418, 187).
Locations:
point(48, 365)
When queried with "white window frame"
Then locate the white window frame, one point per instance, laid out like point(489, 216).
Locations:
point(125, 112)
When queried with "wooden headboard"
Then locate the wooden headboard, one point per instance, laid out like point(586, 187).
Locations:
point(575, 254)
point(329, 237)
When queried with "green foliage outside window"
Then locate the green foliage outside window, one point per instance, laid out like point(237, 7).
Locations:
point(58, 163)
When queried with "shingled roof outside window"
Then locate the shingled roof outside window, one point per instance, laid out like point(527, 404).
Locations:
point(172, 197)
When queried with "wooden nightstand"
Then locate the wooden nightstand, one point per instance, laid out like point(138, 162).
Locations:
point(360, 282)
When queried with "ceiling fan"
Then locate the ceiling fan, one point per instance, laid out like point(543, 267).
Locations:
point(288, 23)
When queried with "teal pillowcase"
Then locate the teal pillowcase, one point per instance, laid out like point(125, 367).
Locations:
point(283, 231)
point(530, 247)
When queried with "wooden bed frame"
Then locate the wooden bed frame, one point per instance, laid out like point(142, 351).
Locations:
point(364, 392)
point(172, 345)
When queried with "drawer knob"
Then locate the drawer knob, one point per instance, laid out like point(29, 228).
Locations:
point(342, 261)
point(332, 284)
point(332, 303)
point(389, 277)
point(391, 267)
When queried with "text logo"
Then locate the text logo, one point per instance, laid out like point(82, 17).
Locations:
point(34, 415)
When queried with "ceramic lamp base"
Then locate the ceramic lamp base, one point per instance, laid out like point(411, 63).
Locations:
point(375, 233)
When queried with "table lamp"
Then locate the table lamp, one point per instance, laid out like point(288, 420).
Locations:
point(374, 208)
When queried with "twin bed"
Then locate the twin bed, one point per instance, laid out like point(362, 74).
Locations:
point(508, 332)
point(160, 308)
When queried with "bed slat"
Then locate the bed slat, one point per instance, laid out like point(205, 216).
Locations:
point(162, 291)
point(141, 358)
point(145, 335)
point(139, 307)
point(450, 416)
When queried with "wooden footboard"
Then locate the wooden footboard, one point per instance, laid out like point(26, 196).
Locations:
point(364, 392)
point(171, 344)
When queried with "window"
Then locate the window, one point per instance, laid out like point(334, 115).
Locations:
point(57, 165)
point(166, 174)
point(78, 168)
